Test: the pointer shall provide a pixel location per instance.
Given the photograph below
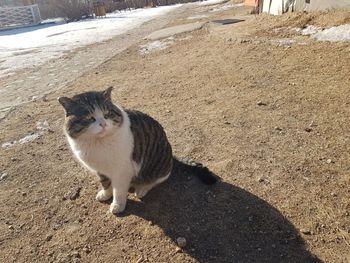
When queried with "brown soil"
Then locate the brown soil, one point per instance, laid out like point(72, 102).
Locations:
point(284, 162)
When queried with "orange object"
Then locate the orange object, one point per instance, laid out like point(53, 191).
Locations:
point(249, 2)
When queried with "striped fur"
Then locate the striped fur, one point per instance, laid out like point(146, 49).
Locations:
point(124, 148)
point(152, 151)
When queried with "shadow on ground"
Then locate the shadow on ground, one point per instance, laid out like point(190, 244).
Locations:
point(221, 223)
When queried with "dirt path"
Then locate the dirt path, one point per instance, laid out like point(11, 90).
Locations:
point(269, 117)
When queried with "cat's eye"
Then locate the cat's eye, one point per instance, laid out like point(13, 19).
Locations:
point(107, 115)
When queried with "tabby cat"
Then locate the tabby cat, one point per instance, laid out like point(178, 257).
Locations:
point(124, 148)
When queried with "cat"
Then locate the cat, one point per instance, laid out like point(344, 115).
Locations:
point(124, 148)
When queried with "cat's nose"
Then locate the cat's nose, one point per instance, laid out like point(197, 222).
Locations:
point(103, 124)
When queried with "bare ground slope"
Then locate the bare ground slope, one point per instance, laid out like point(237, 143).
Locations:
point(271, 120)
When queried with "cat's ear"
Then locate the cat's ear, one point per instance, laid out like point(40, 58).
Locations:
point(107, 93)
point(68, 105)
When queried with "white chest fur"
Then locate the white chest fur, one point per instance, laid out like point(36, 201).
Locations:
point(110, 155)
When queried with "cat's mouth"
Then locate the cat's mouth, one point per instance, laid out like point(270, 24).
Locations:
point(102, 133)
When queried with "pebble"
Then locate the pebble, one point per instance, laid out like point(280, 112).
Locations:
point(333, 194)
point(56, 226)
point(13, 159)
point(178, 250)
point(3, 176)
point(305, 231)
point(181, 241)
point(87, 249)
point(260, 179)
point(11, 227)
point(76, 254)
point(74, 194)
point(308, 129)
point(278, 128)
point(260, 103)
point(49, 237)
point(329, 161)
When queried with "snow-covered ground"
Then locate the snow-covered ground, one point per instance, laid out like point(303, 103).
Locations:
point(211, 2)
point(334, 34)
point(32, 46)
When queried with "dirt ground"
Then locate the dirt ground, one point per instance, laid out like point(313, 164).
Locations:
point(270, 119)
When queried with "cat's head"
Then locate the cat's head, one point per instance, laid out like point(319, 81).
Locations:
point(91, 114)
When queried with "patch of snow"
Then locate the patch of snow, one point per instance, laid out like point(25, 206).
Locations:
point(8, 144)
point(32, 46)
point(226, 7)
point(286, 42)
point(334, 34)
point(29, 138)
point(310, 30)
point(197, 17)
point(54, 20)
point(156, 45)
point(160, 44)
point(41, 126)
point(210, 2)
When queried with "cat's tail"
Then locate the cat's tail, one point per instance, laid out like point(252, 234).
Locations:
point(196, 169)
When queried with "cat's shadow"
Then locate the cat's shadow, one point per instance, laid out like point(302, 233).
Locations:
point(221, 223)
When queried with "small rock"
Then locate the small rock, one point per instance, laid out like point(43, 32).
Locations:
point(273, 245)
point(227, 122)
point(150, 223)
point(56, 226)
point(330, 161)
point(308, 129)
point(333, 194)
point(11, 227)
point(13, 159)
point(49, 237)
point(260, 103)
point(24, 193)
point(181, 242)
point(50, 254)
point(260, 179)
point(278, 128)
point(74, 194)
point(76, 254)
point(87, 249)
point(305, 231)
point(178, 250)
point(3, 176)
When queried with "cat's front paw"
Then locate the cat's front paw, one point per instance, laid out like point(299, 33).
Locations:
point(104, 195)
point(116, 208)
